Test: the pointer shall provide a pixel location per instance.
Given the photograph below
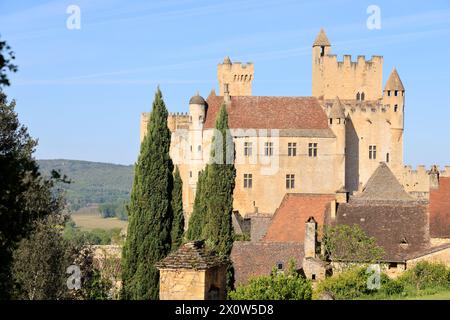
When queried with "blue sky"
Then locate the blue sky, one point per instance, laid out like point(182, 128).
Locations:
point(81, 92)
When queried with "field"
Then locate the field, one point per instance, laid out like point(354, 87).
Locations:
point(89, 219)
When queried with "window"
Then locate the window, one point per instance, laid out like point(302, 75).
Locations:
point(389, 93)
point(313, 277)
point(268, 148)
point(191, 148)
point(331, 120)
point(362, 96)
point(358, 96)
point(396, 93)
point(247, 149)
point(248, 180)
point(290, 181)
point(396, 108)
point(292, 149)
point(279, 265)
point(372, 152)
point(190, 174)
point(199, 148)
point(392, 265)
point(322, 51)
point(387, 157)
point(312, 149)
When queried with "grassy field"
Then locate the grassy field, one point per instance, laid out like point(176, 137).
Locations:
point(89, 219)
point(437, 296)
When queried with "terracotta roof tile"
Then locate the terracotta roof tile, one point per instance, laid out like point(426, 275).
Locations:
point(288, 223)
point(251, 259)
point(440, 209)
point(253, 112)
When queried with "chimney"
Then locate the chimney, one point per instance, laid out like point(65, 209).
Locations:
point(434, 177)
point(226, 94)
point(333, 210)
point(310, 238)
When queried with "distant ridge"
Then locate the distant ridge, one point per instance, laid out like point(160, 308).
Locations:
point(91, 182)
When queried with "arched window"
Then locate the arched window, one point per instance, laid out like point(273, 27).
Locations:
point(245, 78)
point(396, 108)
point(358, 96)
point(362, 96)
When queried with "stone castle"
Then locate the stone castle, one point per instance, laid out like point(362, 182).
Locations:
point(328, 143)
point(302, 163)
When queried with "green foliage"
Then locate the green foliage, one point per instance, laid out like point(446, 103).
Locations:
point(93, 183)
point(278, 286)
point(392, 287)
point(426, 275)
point(91, 237)
point(350, 244)
point(114, 209)
point(6, 63)
point(150, 215)
point(25, 196)
point(177, 208)
point(197, 220)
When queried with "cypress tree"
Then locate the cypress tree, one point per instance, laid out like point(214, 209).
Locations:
point(198, 216)
point(150, 214)
point(177, 208)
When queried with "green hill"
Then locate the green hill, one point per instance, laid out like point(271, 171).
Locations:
point(106, 184)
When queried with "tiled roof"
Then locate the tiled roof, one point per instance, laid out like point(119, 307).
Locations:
point(192, 255)
point(321, 39)
point(251, 259)
point(288, 222)
point(383, 186)
point(391, 225)
point(337, 110)
point(439, 208)
point(394, 82)
point(254, 112)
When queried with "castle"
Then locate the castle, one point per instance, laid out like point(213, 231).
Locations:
point(335, 157)
point(328, 143)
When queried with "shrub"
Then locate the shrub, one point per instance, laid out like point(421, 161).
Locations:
point(426, 275)
point(277, 286)
point(392, 287)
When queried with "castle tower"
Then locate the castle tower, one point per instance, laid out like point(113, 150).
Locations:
point(394, 97)
point(321, 48)
point(336, 120)
point(237, 77)
point(361, 80)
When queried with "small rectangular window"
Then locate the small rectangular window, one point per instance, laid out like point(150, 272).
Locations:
point(247, 149)
point(290, 181)
point(387, 157)
point(389, 93)
point(268, 149)
point(372, 152)
point(312, 149)
point(248, 180)
point(292, 149)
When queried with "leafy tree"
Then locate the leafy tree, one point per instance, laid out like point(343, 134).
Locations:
point(177, 207)
point(349, 244)
point(150, 215)
point(25, 196)
point(277, 286)
point(6, 63)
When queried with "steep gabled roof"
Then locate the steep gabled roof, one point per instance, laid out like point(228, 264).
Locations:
point(337, 110)
point(383, 186)
point(288, 222)
point(394, 82)
point(321, 39)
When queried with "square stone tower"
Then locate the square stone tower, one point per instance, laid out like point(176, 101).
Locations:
point(235, 78)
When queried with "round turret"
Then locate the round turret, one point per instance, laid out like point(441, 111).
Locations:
point(197, 107)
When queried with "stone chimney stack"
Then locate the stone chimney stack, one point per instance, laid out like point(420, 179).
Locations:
point(434, 177)
point(310, 238)
point(226, 94)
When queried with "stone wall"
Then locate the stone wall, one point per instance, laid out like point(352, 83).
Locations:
point(182, 284)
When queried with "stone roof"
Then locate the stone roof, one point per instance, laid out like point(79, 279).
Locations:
point(394, 82)
point(400, 228)
point(288, 222)
point(337, 110)
point(197, 99)
point(321, 39)
point(439, 209)
point(252, 259)
point(383, 186)
point(192, 255)
point(261, 112)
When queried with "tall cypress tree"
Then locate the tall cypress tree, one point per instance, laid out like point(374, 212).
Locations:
point(150, 214)
point(198, 216)
point(177, 208)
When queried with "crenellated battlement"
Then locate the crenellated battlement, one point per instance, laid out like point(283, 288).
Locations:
point(360, 62)
point(421, 178)
point(179, 114)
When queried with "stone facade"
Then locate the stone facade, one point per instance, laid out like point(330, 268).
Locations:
point(348, 125)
